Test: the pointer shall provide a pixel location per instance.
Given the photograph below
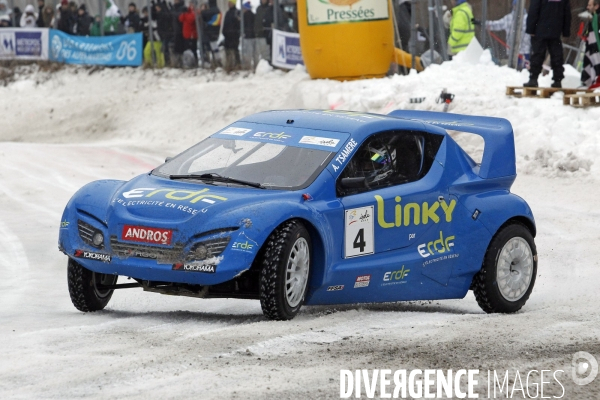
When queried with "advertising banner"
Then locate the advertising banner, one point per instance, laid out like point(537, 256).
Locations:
point(340, 11)
point(286, 50)
point(24, 43)
point(118, 50)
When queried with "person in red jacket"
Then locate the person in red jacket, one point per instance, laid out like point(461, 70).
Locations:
point(189, 31)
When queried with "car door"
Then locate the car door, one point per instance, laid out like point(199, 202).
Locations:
point(391, 193)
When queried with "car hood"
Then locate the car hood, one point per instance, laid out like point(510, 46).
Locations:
point(149, 197)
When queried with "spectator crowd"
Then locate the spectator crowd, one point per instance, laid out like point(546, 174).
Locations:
point(176, 28)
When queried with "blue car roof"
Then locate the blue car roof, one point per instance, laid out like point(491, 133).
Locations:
point(329, 120)
point(499, 154)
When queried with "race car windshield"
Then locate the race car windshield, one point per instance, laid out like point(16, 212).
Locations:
point(270, 165)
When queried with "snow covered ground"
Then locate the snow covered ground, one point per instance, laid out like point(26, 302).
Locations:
point(62, 130)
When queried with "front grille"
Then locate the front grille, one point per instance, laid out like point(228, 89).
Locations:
point(162, 255)
point(87, 232)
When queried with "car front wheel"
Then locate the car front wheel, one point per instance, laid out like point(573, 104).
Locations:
point(507, 276)
point(285, 270)
point(86, 287)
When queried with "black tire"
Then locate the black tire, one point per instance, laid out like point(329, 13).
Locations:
point(485, 285)
point(274, 263)
point(83, 287)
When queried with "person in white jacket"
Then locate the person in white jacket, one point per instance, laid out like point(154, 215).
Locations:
point(506, 24)
point(29, 17)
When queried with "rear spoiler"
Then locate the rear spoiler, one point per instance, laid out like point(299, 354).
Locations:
point(499, 151)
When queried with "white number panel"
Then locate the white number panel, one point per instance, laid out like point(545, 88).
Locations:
point(359, 238)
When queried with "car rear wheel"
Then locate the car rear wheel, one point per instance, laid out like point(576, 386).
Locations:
point(85, 287)
point(285, 270)
point(507, 276)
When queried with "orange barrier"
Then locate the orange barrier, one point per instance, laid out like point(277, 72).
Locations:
point(347, 39)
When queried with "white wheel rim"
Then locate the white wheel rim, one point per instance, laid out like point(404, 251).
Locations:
point(515, 269)
point(296, 276)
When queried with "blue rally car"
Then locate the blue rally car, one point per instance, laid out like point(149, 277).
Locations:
point(313, 207)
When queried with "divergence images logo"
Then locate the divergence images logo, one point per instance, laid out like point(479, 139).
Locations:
point(439, 246)
point(584, 368)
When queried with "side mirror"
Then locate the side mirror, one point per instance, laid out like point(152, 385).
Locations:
point(168, 159)
point(354, 183)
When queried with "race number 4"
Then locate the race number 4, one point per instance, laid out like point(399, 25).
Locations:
point(358, 232)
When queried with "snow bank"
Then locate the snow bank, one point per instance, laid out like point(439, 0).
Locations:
point(169, 110)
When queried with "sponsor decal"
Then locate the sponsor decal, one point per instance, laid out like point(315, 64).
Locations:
point(286, 51)
point(450, 123)
point(319, 141)
point(335, 288)
point(439, 246)
point(198, 197)
point(92, 256)
point(235, 131)
point(28, 44)
point(195, 267)
point(363, 218)
point(344, 154)
point(244, 243)
point(421, 213)
point(339, 11)
point(242, 246)
point(359, 232)
point(276, 137)
point(362, 281)
point(64, 224)
point(146, 235)
point(395, 277)
point(441, 258)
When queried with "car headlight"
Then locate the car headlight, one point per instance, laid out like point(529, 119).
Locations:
point(90, 234)
point(98, 239)
point(208, 248)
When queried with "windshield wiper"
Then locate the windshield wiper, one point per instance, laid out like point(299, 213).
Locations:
point(214, 177)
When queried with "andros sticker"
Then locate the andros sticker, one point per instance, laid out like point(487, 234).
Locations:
point(147, 235)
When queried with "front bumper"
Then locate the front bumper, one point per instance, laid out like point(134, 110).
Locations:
point(159, 263)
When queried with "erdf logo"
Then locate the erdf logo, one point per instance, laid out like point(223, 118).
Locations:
point(242, 246)
point(269, 135)
point(439, 246)
point(396, 275)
